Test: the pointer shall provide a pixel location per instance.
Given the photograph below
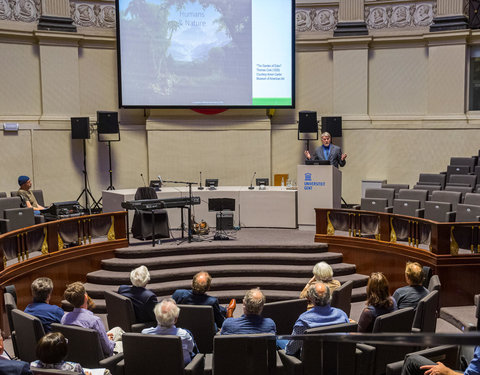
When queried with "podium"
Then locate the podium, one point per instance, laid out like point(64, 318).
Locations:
point(319, 186)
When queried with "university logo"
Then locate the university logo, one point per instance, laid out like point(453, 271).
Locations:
point(308, 176)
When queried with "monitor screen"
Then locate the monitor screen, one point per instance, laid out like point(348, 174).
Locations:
point(262, 181)
point(317, 162)
point(209, 182)
point(206, 53)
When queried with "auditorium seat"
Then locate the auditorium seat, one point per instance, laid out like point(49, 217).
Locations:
point(462, 180)
point(472, 199)
point(466, 161)
point(38, 194)
point(414, 194)
point(467, 213)
point(342, 297)
point(200, 322)
point(377, 199)
point(429, 188)
point(452, 197)
point(284, 313)
point(432, 179)
point(396, 187)
point(434, 283)
point(12, 216)
point(426, 313)
point(155, 354)
point(439, 211)
point(457, 169)
point(28, 330)
point(408, 207)
point(461, 189)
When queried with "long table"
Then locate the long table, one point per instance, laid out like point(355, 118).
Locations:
point(274, 207)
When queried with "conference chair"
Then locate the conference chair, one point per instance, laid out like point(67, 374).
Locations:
point(145, 222)
point(10, 305)
point(28, 330)
point(461, 189)
point(429, 188)
point(38, 194)
point(373, 204)
point(467, 161)
point(462, 180)
point(386, 193)
point(199, 320)
point(120, 313)
point(420, 195)
point(432, 179)
point(427, 275)
point(408, 207)
point(426, 313)
point(439, 211)
point(447, 354)
point(342, 297)
point(434, 283)
point(467, 213)
point(395, 187)
point(456, 170)
point(156, 354)
point(84, 347)
point(399, 321)
point(319, 357)
point(243, 355)
point(285, 313)
point(7, 203)
point(472, 199)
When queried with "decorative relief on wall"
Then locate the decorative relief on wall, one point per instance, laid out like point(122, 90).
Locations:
point(315, 19)
point(20, 10)
point(93, 15)
point(401, 15)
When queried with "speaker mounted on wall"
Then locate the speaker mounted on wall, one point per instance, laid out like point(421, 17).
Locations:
point(307, 122)
point(332, 125)
point(80, 127)
point(107, 122)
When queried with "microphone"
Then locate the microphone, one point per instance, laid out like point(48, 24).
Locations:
point(200, 187)
point(251, 182)
point(144, 184)
point(161, 182)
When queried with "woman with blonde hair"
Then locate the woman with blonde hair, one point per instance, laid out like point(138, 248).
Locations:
point(322, 273)
point(379, 302)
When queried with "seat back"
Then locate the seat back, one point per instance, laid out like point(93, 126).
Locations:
point(425, 318)
point(434, 283)
point(374, 204)
point(244, 354)
point(396, 187)
point(469, 162)
point(429, 188)
point(152, 354)
point(28, 330)
point(199, 320)
point(387, 193)
point(406, 207)
point(461, 189)
point(284, 313)
point(452, 197)
point(457, 169)
point(38, 194)
point(467, 212)
point(472, 198)
point(145, 192)
point(437, 211)
point(342, 297)
point(83, 344)
point(337, 358)
point(432, 179)
point(420, 195)
point(468, 179)
point(19, 218)
point(120, 311)
point(10, 202)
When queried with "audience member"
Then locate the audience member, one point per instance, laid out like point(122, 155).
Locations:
point(322, 314)
point(51, 352)
point(418, 365)
point(167, 313)
point(410, 295)
point(251, 321)
point(27, 195)
point(198, 296)
point(80, 316)
point(9, 366)
point(322, 272)
point(379, 302)
point(143, 300)
point(40, 307)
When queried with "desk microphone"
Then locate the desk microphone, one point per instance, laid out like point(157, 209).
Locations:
point(144, 184)
point(200, 187)
point(161, 182)
point(251, 182)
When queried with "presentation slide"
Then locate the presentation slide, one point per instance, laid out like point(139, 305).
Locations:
point(206, 53)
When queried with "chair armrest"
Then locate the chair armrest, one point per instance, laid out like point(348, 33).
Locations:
point(293, 366)
point(208, 364)
point(39, 219)
point(389, 209)
point(450, 216)
point(394, 368)
point(111, 362)
point(196, 366)
point(356, 207)
point(120, 368)
point(420, 212)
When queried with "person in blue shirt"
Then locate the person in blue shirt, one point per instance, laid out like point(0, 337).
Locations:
point(251, 321)
point(40, 307)
point(416, 364)
point(328, 151)
point(322, 314)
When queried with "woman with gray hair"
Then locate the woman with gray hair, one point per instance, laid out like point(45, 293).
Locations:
point(322, 272)
point(143, 300)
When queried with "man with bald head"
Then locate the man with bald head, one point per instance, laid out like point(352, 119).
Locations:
point(322, 314)
point(251, 321)
point(198, 296)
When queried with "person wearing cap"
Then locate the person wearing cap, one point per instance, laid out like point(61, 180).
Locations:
point(27, 195)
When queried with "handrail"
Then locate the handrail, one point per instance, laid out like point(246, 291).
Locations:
point(57, 235)
point(442, 238)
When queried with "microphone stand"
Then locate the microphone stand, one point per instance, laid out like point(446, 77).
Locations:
point(200, 187)
point(189, 208)
point(251, 181)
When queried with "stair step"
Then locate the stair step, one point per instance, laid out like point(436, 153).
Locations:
point(124, 264)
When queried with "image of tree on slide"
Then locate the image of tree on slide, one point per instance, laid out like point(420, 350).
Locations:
point(198, 51)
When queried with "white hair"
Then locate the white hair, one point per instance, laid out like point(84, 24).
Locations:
point(323, 272)
point(166, 312)
point(140, 276)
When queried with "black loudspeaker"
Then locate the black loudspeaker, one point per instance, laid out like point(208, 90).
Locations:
point(107, 122)
point(332, 125)
point(307, 122)
point(224, 221)
point(474, 14)
point(80, 127)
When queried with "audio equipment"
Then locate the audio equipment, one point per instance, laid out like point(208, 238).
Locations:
point(107, 122)
point(332, 125)
point(307, 122)
point(80, 127)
